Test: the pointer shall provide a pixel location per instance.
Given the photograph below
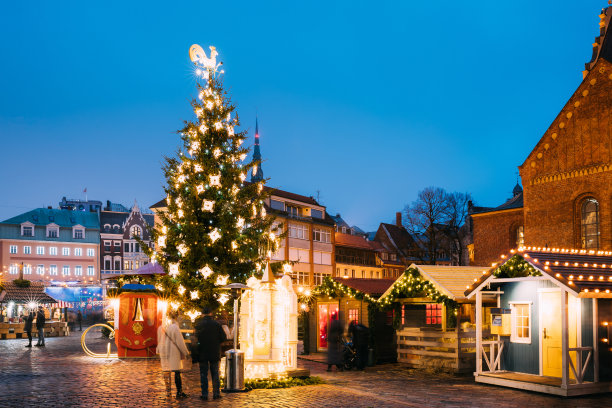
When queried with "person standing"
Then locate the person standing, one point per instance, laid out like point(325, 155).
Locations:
point(80, 320)
point(28, 327)
point(40, 326)
point(210, 335)
point(334, 345)
point(172, 349)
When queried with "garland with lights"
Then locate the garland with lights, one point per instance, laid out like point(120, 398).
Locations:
point(515, 267)
point(215, 229)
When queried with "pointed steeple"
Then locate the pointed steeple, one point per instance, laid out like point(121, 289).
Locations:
point(257, 172)
point(602, 47)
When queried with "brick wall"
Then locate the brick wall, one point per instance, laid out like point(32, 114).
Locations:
point(495, 234)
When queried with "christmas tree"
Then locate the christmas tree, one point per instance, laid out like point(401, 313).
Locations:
point(215, 230)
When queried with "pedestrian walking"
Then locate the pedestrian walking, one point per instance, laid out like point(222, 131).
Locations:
point(80, 320)
point(210, 335)
point(40, 326)
point(172, 350)
point(334, 344)
point(28, 327)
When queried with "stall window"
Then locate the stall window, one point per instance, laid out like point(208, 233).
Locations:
point(353, 316)
point(521, 323)
point(433, 314)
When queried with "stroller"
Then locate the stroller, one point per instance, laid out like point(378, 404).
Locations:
point(349, 354)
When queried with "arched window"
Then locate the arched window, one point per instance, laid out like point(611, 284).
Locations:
point(135, 231)
point(589, 223)
point(520, 236)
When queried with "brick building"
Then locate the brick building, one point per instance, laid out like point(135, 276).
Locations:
point(567, 177)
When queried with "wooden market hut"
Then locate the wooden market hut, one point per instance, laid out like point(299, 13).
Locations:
point(351, 299)
point(435, 321)
point(554, 308)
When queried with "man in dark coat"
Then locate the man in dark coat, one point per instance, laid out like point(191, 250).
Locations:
point(28, 327)
point(40, 326)
point(360, 341)
point(210, 335)
point(80, 320)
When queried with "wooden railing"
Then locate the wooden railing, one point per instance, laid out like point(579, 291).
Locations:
point(429, 348)
point(579, 369)
point(493, 359)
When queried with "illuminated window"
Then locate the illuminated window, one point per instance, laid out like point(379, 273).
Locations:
point(78, 270)
point(520, 236)
point(27, 269)
point(40, 269)
point(433, 314)
point(52, 269)
point(521, 323)
point(136, 231)
point(27, 250)
point(589, 224)
point(66, 270)
point(90, 271)
point(14, 269)
point(353, 315)
point(318, 278)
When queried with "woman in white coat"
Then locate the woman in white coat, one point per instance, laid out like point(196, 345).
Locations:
point(172, 349)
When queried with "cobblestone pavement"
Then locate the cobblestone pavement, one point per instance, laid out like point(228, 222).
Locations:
point(60, 375)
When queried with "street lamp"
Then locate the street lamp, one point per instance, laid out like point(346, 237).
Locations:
point(234, 364)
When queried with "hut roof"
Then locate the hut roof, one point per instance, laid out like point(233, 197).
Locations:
point(34, 293)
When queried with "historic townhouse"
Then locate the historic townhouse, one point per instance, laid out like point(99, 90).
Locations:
point(567, 177)
point(119, 228)
point(51, 246)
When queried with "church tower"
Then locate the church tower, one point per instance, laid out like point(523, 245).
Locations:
point(257, 172)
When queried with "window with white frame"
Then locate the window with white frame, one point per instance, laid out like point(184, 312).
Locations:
point(13, 249)
point(52, 269)
point(298, 231)
point(90, 271)
point(135, 231)
point(321, 258)
point(66, 270)
point(90, 252)
point(318, 278)
point(52, 231)
point(52, 250)
point(27, 230)
point(27, 250)
point(521, 322)
point(78, 251)
point(66, 251)
point(40, 250)
point(78, 232)
point(299, 255)
point(321, 235)
point(303, 278)
point(27, 269)
point(14, 269)
point(78, 270)
point(40, 269)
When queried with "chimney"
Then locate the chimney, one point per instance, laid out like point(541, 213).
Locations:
point(49, 207)
point(398, 219)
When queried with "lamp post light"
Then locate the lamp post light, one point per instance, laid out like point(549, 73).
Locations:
point(234, 364)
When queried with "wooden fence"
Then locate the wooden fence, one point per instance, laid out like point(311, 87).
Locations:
point(439, 350)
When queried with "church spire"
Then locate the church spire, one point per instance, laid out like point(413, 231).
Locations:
point(257, 172)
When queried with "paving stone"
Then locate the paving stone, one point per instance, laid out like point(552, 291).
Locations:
point(61, 375)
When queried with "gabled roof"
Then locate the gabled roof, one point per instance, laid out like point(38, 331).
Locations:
point(353, 241)
point(372, 287)
point(34, 293)
point(63, 218)
point(512, 204)
point(582, 272)
point(399, 237)
point(450, 280)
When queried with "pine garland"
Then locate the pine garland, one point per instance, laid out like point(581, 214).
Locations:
point(515, 267)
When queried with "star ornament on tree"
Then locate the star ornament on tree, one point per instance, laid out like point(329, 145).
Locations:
point(215, 181)
point(214, 235)
point(206, 272)
point(208, 205)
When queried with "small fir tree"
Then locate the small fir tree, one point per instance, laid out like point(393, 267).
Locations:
point(215, 229)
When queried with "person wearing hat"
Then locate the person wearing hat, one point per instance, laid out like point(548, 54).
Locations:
point(40, 326)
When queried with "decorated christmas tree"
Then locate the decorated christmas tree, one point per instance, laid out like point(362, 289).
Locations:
point(215, 230)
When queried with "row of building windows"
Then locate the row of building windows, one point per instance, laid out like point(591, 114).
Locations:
point(52, 231)
point(352, 273)
point(40, 250)
point(301, 232)
point(127, 246)
point(52, 270)
point(303, 278)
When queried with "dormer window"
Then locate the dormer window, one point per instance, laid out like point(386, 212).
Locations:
point(78, 232)
point(27, 229)
point(293, 210)
point(52, 231)
point(107, 227)
point(135, 231)
point(277, 205)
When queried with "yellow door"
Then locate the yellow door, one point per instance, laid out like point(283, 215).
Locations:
point(551, 331)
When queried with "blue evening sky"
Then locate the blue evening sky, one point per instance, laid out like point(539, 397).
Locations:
point(365, 102)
